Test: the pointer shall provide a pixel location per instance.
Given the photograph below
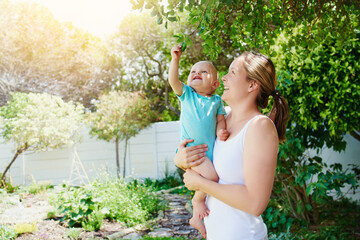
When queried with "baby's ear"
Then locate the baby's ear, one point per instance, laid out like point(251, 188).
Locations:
point(215, 84)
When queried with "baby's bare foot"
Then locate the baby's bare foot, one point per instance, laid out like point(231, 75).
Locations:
point(197, 223)
point(200, 208)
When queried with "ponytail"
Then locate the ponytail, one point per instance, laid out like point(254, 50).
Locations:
point(261, 69)
point(279, 114)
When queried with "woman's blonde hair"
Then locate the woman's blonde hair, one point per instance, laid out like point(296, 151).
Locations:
point(261, 69)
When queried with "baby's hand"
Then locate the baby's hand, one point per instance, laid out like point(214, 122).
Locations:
point(176, 52)
point(222, 134)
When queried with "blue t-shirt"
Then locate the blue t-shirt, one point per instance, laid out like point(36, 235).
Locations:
point(198, 118)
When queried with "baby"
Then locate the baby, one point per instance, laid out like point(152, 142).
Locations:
point(202, 119)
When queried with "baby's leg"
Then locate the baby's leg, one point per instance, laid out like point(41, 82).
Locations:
point(207, 170)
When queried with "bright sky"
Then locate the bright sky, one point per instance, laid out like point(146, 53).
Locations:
point(100, 17)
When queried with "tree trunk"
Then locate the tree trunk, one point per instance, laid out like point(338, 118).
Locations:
point(117, 157)
point(125, 150)
point(18, 152)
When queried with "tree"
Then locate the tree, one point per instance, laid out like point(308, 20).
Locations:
point(250, 24)
point(144, 49)
point(321, 83)
point(40, 54)
point(38, 122)
point(118, 117)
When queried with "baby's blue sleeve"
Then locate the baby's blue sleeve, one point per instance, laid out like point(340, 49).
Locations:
point(185, 91)
point(221, 109)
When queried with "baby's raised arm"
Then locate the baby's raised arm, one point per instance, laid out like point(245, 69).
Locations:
point(174, 81)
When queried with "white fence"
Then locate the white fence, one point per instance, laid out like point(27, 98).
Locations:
point(149, 154)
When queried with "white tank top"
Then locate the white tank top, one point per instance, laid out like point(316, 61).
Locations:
point(225, 222)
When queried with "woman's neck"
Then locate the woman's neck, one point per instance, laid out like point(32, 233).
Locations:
point(243, 112)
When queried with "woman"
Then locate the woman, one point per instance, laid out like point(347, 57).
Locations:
point(246, 161)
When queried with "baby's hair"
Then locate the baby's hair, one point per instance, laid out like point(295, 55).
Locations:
point(217, 73)
point(212, 64)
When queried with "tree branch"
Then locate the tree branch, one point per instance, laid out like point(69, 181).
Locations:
point(355, 134)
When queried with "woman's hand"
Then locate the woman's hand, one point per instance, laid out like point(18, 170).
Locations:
point(188, 157)
point(192, 179)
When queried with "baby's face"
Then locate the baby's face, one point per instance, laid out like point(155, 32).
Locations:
point(202, 77)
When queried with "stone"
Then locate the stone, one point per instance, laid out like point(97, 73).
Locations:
point(183, 232)
point(133, 236)
point(120, 234)
point(161, 232)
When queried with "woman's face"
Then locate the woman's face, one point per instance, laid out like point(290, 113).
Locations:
point(235, 81)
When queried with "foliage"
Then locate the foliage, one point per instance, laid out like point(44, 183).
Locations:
point(41, 54)
point(7, 233)
point(282, 236)
point(144, 48)
point(164, 238)
point(120, 116)
point(276, 217)
point(7, 184)
point(73, 233)
point(94, 221)
point(326, 233)
point(306, 183)
point(170, 180)
point(163, 184)
point(321, 84)
point(249, 24)
point(38, 122)
point(50, 214)
point(110, 198)
point(78, 206)
point(21, 228)
point(38, 187)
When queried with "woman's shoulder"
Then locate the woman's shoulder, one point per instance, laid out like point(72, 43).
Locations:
point(262, 125)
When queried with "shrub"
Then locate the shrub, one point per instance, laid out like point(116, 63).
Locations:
point(21, 228)
point(108, 197)
point(276, 217)
point(7, 233)
point(73, 233)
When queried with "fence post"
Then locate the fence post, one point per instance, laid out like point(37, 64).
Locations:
point(156, 152)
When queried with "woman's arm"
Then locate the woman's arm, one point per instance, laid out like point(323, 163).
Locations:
point(188, 157)
point(260, 155)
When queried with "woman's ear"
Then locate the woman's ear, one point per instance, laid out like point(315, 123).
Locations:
point(254, 85)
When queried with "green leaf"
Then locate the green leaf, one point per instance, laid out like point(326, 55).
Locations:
point(159, 20)
point(183, 46)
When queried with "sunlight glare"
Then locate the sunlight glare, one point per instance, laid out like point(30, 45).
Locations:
point(100, 17)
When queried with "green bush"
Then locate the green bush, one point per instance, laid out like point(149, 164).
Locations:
point(7, 185)
point(21, 228)
point(277, 217)
point(73, 233)
point(111, 198)
point(7, 233)
point(36, 188)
